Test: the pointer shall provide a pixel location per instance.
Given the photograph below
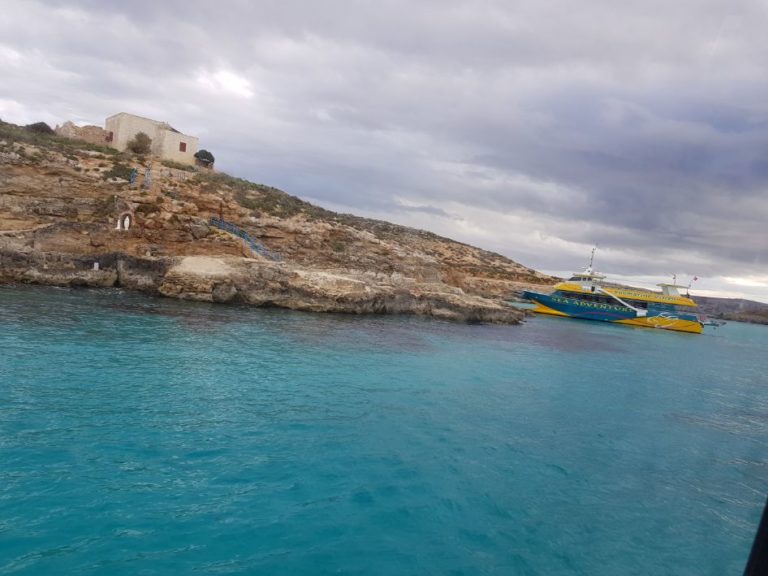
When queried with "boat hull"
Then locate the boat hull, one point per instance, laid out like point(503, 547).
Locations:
point(574, 308)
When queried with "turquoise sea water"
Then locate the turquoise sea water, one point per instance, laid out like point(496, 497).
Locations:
point(150, 436)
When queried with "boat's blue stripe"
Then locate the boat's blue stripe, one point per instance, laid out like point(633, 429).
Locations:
point(597, 311)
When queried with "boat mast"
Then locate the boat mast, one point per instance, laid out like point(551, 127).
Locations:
point(591, 259)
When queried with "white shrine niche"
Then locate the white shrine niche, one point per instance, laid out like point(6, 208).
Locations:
point(125, 221)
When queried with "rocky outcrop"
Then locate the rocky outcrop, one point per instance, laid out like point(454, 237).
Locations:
point(62, 210)
point(263, 283)
point(96, 271)
point(89, 133)
point(257, 282)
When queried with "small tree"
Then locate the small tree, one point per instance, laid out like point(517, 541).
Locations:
point(141, 144)
point(39, 128)
point(204, 158)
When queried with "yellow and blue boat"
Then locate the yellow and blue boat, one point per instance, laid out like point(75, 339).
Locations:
point(585, 296)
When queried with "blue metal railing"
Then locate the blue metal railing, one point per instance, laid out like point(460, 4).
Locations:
point(240, 233)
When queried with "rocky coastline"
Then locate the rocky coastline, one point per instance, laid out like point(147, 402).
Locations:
point(63, 208)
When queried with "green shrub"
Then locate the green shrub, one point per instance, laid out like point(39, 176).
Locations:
point(178, 165)
point(140, 144)
point(105, 150)
point(39, 136)
point(119, 170)
point(147, 209)
point(39, 128)
point(204, 157)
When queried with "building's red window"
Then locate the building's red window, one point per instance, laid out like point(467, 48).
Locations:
point(110, 136)
point(182, 146)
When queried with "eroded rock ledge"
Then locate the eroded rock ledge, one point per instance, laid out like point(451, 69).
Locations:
point(256, 282)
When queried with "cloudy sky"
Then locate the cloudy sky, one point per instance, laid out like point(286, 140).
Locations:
point(534, 128)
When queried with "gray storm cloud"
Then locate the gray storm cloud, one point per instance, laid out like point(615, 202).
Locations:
point(535, 129)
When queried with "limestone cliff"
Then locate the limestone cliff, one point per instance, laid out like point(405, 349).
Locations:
point(62, 203)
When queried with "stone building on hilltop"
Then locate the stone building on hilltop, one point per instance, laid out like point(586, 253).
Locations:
point(167, 142)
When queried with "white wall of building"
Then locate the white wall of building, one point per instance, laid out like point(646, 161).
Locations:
point(124, 127)
point(177, 147)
